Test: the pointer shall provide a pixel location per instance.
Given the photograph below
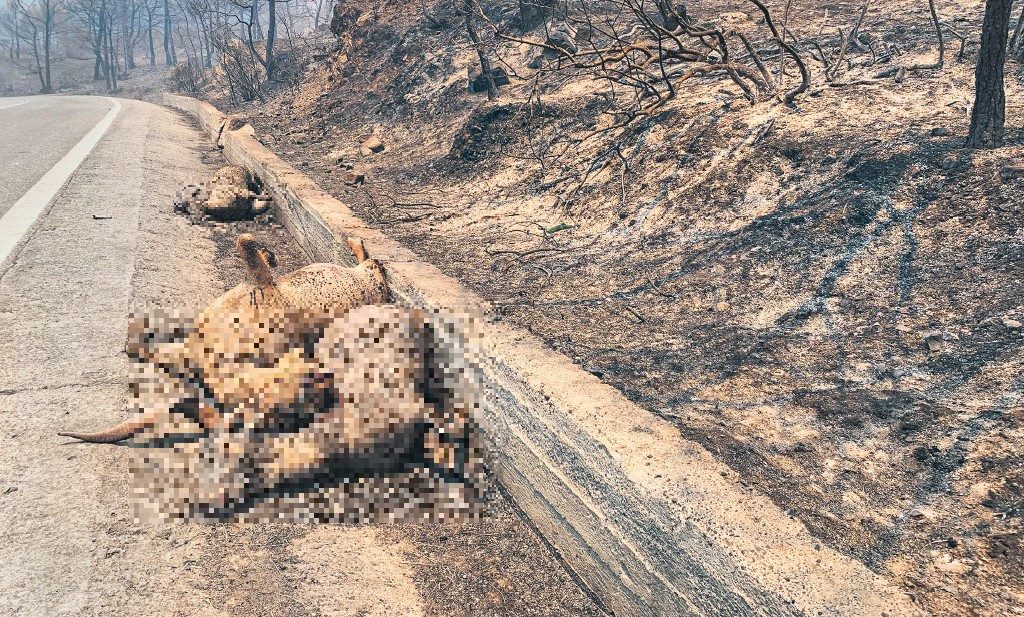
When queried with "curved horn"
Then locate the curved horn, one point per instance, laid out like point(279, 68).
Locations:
point(115, 434)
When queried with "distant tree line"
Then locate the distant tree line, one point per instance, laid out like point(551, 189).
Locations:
point(190, 35)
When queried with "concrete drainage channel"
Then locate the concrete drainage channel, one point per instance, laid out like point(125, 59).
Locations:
point(651, 523)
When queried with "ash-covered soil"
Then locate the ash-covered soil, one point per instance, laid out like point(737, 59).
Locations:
point(826, 296)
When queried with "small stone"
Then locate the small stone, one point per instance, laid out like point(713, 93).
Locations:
point(562, 37)
point(952, 543)
point(721, 307)
point(498, 76)
point(372, 145)
point(898, 373)
point(337, 157)
point(1012, 324)
point(990, 322)
point(1008, 172)
point(940, 131)
point(353, 179)
point(926, 453)
point(919, 513)
point(933, 340)
point(804, 312)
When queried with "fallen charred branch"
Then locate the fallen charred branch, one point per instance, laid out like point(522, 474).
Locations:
point(645, 51)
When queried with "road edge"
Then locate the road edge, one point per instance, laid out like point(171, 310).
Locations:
point(17, 223)
point(651, 522)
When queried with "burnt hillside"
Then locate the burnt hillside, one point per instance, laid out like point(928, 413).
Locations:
point(823, 289)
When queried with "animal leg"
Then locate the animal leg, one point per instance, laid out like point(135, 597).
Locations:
point(226, 477)
point(339, 434)
point(358, 249)
point(211, 417)
point(439, 452)
point(170, 356)
point(240, 467)
point(150, 337)
point(260, 203)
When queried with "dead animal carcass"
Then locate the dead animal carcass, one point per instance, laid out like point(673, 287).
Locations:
point(227, 196)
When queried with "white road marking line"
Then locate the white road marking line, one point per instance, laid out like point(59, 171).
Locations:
point(13, 105)
point(19, 219)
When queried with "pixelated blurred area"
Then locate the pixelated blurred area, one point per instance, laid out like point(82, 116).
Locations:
point(231, 194)
point(371, 415)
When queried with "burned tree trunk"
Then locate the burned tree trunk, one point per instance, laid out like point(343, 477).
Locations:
point(989, 114)
point(97, 67)
point(474, 36)
point(48, 19)
point(1015, 40)
point(35, 54)
point(149, 37)
point(271, 35)
point(168, 41)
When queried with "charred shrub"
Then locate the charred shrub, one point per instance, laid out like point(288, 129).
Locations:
point(484, 133)
point(187, 78)
point(492, 130)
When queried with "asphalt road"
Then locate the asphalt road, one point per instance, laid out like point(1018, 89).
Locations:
point(35, 132)
point(69, 541)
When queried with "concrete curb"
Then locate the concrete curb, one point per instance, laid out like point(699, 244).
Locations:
point(650, 522)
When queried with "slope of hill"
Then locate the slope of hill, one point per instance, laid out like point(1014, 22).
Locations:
point(826, 295)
